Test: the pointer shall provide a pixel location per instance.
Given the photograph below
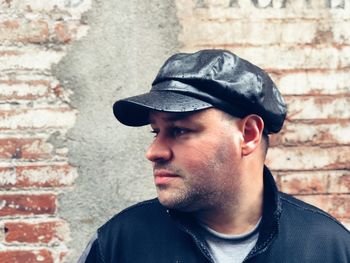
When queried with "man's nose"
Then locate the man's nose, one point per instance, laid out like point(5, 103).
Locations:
point(159, 151)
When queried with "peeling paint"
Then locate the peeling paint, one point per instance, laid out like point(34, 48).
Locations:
point(3, 204)
point(8, 177)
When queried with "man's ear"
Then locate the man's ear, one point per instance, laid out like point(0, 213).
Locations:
point(252, 128)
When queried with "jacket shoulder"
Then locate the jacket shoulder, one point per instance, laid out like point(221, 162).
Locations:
point(140, 208)
point(137, 213)
point(144, 232)
point(299, 210)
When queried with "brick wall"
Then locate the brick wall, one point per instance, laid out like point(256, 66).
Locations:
point(35, 115)
point(304, 45)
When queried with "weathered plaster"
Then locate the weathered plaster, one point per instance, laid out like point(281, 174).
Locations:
point(126, 44)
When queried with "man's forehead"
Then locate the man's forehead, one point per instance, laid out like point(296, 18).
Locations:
point(155, 116)
point(206, 115)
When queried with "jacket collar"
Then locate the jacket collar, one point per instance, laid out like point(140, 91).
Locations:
point(272, 209)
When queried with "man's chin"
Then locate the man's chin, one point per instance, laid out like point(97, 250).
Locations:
point(175, 203)
point(168, 203)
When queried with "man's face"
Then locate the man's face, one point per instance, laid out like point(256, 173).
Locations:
point(196, 159)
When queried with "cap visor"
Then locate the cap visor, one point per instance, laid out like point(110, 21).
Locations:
point(134, 111)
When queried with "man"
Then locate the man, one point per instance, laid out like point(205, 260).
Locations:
point(211, 113)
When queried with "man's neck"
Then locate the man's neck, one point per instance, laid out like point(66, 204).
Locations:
point(241, 215)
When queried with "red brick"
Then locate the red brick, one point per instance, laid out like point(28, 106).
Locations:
point(340, 183)
point(309, 57)
point(71, 9)
point(39, 118)
point(308, 158)
point(43, 232)
point(301, 183)
point(37, 31)
point(63, 256)
point(312, 133)
point(46, 176)
point(21, 148)
point(8, 53)
point(26, 204)
point(13, 90)
point(25, 31)
point(58, 91)
point(336, 205)
point(63, 32)
point(318, 107)
point(313, 82)
point(315, 182)
point(29, 256)
point(29, 176)
point(28, 58)
point(246, 32)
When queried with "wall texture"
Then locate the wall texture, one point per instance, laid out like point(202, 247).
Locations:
point(50, 83)
point(35, 115)
point(304, 45)
point(126, 44)
point(66, 165)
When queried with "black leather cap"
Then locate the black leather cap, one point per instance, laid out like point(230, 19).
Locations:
point(207, 78)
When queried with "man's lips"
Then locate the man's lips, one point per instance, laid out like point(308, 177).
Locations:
point(163, 177)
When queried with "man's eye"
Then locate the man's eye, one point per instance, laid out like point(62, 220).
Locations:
point(155, 132)
point(179, 131)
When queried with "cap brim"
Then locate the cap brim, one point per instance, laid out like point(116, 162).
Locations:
point(134, 111)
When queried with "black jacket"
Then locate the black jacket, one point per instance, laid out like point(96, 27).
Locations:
point(290, 231)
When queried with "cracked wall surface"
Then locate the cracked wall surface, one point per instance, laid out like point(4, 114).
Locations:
point(126, 44)
point(66, 164)
point(35, 116)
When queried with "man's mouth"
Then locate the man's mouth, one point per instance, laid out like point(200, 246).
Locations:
point(164, 176)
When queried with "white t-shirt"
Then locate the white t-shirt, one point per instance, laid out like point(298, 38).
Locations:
point(230, 248)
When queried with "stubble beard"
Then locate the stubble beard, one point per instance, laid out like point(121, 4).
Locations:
point(191, 196)
point(186, 200)
point(196, 193)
